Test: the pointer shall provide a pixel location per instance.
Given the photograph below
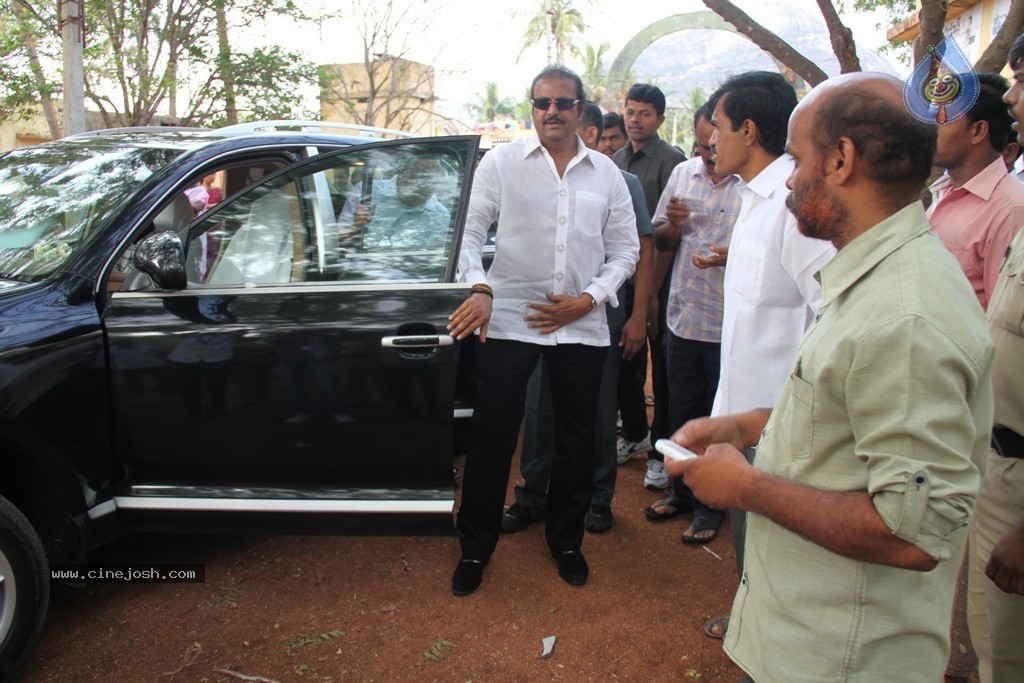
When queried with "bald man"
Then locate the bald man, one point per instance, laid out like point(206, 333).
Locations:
point(868, 466)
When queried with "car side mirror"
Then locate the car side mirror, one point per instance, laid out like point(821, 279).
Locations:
point(162, 258)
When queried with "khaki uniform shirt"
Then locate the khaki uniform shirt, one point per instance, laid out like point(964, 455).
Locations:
point(1006, 312)
point(890, 394)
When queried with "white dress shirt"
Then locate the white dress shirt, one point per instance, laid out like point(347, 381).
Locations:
point(564, 235)
point(770, 293)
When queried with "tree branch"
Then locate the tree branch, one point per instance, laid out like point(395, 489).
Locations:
point(998, 50)
point(841, 37)
point(932, 19)
point(768, 41)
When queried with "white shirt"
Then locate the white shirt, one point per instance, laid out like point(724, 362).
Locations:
point(770, 293)
point(563, 235)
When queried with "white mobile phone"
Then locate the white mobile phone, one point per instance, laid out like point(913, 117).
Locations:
point(672, 450)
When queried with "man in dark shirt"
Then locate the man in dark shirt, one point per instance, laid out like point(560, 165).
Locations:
point(651, 159)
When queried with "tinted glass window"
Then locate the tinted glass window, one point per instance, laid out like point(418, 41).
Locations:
point(52, 197)
point(384, 214)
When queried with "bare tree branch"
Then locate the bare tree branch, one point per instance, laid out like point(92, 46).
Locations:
point(390, 89)
point(841, 38)
point(768, 41)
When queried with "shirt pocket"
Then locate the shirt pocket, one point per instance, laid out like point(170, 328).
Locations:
point(798, 420)
point(590, 212)
point(749, 270)
point(1007, 305)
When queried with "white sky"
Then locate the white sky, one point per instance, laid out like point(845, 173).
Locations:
point(472, 42)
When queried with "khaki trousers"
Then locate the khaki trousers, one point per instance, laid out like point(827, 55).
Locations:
point(996, 619)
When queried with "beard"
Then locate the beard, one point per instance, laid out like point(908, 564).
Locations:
point(818, 215)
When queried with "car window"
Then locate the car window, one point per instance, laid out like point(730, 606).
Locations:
point(202, 194)
point(259, 242)
point(52, 198)
point(378, 214)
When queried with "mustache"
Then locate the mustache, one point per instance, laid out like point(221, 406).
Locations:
point(554, 119)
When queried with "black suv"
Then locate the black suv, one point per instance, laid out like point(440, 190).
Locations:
point(276, 360)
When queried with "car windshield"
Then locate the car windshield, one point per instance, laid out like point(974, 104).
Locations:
point(53, 196)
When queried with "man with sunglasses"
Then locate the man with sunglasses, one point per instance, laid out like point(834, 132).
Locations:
point(567, 240)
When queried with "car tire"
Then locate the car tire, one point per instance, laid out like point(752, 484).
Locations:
point(24, 587)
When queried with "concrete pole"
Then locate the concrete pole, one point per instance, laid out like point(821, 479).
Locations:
point(72, 19)
point(549, 29)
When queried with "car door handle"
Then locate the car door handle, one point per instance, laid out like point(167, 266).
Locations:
point(417, 341)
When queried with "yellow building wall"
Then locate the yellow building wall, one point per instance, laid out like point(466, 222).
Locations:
point(346, 89)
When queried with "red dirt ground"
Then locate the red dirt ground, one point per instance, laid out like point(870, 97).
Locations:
point(316, 608)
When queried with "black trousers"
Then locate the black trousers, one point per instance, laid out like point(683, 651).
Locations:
point(633, 377)
point(631, 381)
point(693, 371)
point(574, 372)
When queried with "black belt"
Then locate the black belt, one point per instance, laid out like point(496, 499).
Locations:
point(1007, 442)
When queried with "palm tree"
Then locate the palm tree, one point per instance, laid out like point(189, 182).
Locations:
point(682, 118)
point(695, 99)
point(595, 77)
point(524, 107)
point(490, 106)
point(558, 24)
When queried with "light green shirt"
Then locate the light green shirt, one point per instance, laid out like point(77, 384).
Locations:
point(890, 393)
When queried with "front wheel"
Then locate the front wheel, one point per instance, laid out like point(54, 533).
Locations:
point(24, 587)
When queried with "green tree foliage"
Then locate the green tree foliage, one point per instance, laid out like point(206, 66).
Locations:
point(559, 22)
point(595, 76)
point(146, 57)
point(892, 12)
point(25, 50)
point(524, 107)
point(492, 106)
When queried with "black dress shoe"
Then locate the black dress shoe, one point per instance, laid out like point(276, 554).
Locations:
point(599, 519)
point(467, 576)
point(572, 567)
point(518, 517)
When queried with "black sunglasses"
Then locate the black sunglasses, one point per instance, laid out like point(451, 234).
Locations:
point(562, 103)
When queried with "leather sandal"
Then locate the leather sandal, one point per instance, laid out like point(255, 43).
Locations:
point(721, 622)
point(677, 504)
point(698, 525)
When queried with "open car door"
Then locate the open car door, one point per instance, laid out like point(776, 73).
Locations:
point(305, 368)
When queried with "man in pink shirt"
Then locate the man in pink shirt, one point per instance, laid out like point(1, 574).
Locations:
point(977, 207)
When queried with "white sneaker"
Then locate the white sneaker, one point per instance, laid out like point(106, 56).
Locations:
point(656, 477)
point(627, 449)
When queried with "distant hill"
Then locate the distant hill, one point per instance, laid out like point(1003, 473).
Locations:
point(705, 57)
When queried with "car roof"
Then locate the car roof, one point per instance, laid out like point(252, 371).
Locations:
point(294, 131)
point(191, 139)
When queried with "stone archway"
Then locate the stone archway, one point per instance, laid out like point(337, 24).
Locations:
point(646, 37)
